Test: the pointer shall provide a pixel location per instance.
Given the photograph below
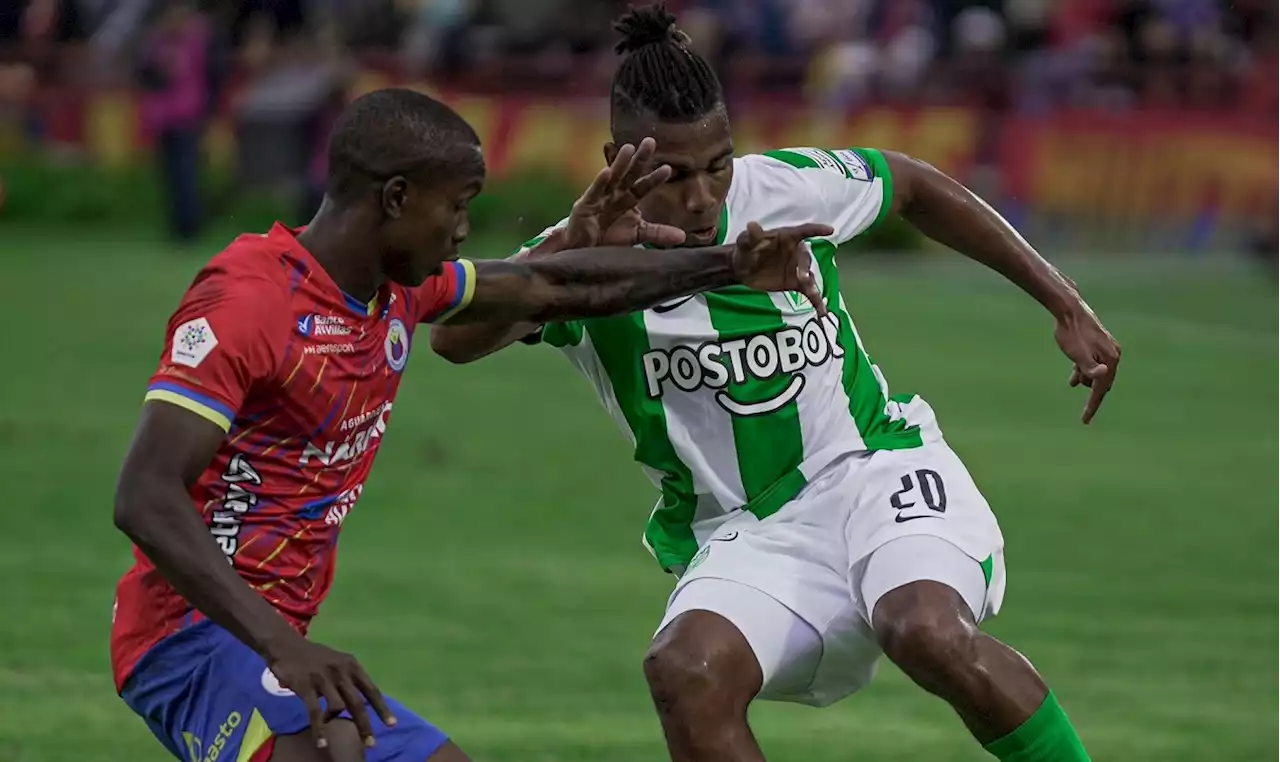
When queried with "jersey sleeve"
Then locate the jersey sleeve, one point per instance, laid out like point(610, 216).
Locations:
point(850, 189)
point(228, 335)
point(442, 296)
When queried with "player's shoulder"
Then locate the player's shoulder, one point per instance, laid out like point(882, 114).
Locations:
point(252, 278)
point(256, 262)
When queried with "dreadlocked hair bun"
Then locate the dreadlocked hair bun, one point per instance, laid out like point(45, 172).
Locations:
point(649, 25)
point(659, 75)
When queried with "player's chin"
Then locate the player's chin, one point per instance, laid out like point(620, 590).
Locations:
point(413, 275)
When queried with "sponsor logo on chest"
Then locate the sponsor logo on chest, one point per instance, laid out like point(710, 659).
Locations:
point(720, 364)
point(318, 326)
point(359, 435)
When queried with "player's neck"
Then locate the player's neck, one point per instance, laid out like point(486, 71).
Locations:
point(337, 240)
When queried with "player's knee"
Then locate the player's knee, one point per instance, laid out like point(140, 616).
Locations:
point(925, 629)
point(687, 661)
point(674, 670)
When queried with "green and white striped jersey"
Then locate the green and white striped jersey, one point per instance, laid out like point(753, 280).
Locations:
point(735, 398)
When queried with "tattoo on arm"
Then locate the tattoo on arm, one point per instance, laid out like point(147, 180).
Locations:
point(585, 283)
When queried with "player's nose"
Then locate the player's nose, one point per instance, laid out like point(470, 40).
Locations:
point(698, 196)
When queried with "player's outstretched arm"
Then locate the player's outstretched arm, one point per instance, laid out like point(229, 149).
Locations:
point(587, 283)
point(472, 341)
point(952, 215)
point(607, 214)
point(171, 448)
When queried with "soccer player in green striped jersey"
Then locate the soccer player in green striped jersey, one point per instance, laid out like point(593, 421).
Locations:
point(814, 520)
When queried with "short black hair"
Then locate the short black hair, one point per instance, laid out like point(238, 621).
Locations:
point(397, 131)
point(659, 75)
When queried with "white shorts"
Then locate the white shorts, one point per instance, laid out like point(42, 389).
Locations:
point(802, 584)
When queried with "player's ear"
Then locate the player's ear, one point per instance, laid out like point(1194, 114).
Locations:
point(610, 152)
point(395, 195)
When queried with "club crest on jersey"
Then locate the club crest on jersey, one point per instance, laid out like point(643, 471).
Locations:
point(725, 365)
point(798, 301)
point(397, 344)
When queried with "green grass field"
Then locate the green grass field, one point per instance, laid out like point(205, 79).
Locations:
point(493, 579)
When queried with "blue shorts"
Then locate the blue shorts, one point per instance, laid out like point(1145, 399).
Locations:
point(208, 697)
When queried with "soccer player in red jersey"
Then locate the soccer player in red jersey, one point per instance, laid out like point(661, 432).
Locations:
point(273, 394)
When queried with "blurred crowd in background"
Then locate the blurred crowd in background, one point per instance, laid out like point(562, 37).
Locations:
point(285, 67)
point(1014, 54)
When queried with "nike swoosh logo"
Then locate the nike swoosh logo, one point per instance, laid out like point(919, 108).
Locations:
point(727, 538)
point(669, 306)
point(900, 519)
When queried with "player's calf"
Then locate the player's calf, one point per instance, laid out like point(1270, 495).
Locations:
point(702, 674)
point(928, 630)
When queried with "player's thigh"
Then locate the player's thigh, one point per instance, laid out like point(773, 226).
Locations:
point(747, 623)
point(922, 492)
point(775, 581)
point(206, 695)
point(926, 558)
point(345, 745)
point(411, 739)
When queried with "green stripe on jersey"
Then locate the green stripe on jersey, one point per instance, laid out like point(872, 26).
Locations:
point(568, 334)
point(618, 342)
point(879, 169)
point(797, 160)
point(866, 399)
point(768, 445)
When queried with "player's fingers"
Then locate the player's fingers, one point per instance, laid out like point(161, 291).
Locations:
point(1075, 376)
point(355, 707)
point(639, 163)
point(754, 233)
point(620, 164)
point(373, 696)
point(597, 187)
point(809, 287)
point(659, 235)
point(1096, 395)
point(334, 703)
point(315, 714)
point(646, 184)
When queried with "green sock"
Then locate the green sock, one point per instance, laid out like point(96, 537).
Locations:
point(1046, 736)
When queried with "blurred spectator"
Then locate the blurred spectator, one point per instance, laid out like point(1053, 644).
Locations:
point(173, 72)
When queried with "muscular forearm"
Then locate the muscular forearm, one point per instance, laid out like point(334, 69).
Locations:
point(950, 214)
point(587, 283)
point(584, 283)
point(158, 517)
point(467, 342)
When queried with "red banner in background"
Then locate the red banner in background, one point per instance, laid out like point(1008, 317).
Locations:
point(1141, 166)
point(1098, 170)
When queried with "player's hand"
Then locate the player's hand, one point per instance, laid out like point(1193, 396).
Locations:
point(777, 260)
point(607, 214)
point(1093, 350)
point(314, 672)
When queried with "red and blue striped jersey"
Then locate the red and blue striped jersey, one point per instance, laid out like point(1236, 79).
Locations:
point(302, 378)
